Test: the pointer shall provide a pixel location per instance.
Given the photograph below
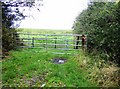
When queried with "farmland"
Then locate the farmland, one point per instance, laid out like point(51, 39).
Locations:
point(49, 39)
point(33, 67)
point(45, 31)
point(85, 55)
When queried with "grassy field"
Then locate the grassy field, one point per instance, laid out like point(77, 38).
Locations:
point(33, 67)
point(45, 31)
point(43, 40)
point(47, 38)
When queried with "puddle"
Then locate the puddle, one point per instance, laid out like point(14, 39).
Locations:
point(59, 60)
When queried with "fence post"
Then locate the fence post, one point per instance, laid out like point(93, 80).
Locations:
point(66, 43)
point(46, 41)
point(28, 39)
point(33, 42)
point(77, 42)
point(55, 42)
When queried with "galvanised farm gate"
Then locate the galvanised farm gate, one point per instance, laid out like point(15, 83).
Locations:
point(51, 41)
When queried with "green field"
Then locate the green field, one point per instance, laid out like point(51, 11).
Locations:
point(33, 67)
point(48, 38)
point(45, 31)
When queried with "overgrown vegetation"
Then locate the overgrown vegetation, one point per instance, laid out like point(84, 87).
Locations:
point(101, 22)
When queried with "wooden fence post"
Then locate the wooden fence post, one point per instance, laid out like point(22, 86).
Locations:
point(77, 42)
point(33, 42)
point(55, 42)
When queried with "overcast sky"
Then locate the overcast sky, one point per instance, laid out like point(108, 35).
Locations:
point(55, 14)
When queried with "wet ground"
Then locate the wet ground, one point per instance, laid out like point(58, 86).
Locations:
point(59, 60)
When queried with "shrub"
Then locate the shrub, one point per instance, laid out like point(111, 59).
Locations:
point(100, 21)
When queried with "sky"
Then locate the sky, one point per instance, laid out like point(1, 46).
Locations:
point(54, 14)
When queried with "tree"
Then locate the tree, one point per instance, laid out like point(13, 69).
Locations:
point(10, 14)
point(101, 24)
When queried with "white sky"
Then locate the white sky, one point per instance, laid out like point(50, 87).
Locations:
point(55, 14)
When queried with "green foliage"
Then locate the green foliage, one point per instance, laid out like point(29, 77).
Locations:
point(9, 34)
point(9, 39)
point(100, 21)
point(11, 13)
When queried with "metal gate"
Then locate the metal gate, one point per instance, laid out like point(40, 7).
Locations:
point(51, 41)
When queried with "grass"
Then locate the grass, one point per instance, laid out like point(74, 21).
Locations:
point(51, 39)
point(33, 67)
point(45, 31)
point(38, 39)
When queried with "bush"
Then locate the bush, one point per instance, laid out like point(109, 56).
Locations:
point(9, 39)
point(9, 34)
point(101, 24)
